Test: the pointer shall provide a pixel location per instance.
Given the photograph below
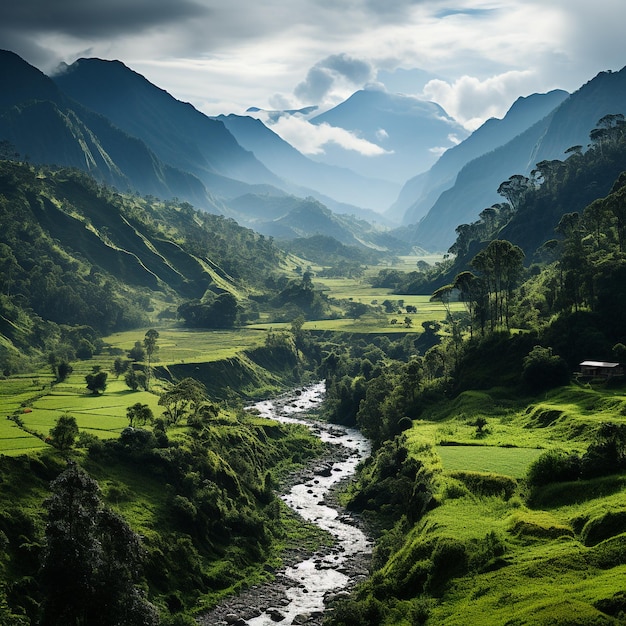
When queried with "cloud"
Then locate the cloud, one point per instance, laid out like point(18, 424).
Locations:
point(239, 53)
point(471, 101)
point(312, 138)
point(81, 19)
point(336, 70)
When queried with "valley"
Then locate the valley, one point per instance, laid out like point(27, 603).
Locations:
point(174, 286)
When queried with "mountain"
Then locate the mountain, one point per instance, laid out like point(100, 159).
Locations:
point(421, 192)
point(289, 217)
point(41, 122)
point(338, 183)
point(81, 254)
point(175, 131)
point(191, 141)
point(567, 126)
point(410, 131)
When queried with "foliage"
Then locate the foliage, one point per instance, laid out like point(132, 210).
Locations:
point(97, 382)
point(393, 484)
point(543, 370)
point(64, 433)
point(79, 260)
point(187, 394)
point(221, 312)
point(91, 559)
point(140, 414)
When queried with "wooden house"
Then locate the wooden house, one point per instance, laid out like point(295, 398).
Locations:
point(600, 369)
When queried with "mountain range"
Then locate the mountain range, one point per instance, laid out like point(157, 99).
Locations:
point(104, 118)
point(475, 187)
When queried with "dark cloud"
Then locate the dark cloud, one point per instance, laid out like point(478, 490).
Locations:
point(321, 78)
point(315, 86)
point(93, 18)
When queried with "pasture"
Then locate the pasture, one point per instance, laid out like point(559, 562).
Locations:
point(181, 345)
point(512, 462)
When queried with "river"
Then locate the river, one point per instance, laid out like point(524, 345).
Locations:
point(298, 594)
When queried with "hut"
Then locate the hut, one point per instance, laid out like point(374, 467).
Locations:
point(601, 369)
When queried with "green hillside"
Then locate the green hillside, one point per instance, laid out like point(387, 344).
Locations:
point(80, 260)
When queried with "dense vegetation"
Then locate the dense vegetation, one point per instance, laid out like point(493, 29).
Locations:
point(162, 520)
point(471, 546)
point(80, 260)
point(487, 387)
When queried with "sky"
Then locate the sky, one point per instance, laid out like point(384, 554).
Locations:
point(472, 57)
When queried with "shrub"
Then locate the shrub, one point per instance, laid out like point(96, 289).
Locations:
point(543, 370)
point(553, 466)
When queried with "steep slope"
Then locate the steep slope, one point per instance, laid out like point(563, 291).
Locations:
point(339, 183)
point(420, 193)
point(46, 126)
point(291, 217)
point(568, 125)
point(73, 252)
point(411, 132)
point(177, 132)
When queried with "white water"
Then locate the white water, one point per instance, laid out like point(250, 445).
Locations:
point(320, 575)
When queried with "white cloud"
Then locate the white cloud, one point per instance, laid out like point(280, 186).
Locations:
point(312, 138)
point(471, 101)
point(240, 53)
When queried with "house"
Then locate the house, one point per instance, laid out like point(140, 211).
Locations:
point(601, 369)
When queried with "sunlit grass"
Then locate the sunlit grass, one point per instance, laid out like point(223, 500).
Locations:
point(506, 461)
point(176, 345)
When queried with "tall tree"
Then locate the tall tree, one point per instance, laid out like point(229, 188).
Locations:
point(150, 346)
point(64, 432)
point(91, 559)
point(500, 265)
point(187, 394)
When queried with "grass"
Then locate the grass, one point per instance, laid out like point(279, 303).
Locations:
point(506, 461)
point(180, 345)
point(563, 553)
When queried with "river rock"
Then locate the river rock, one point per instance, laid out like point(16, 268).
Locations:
point(275, 615)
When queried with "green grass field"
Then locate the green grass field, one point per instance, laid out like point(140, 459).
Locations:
point(505, 461)
point(180, 345)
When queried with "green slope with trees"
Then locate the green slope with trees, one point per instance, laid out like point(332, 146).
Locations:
point(497, 480)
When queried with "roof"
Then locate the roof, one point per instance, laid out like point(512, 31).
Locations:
point(599, 364)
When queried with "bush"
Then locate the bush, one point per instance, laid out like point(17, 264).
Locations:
point(543, 370)
point(553, 466)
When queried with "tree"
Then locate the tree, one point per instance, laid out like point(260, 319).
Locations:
point(150, 346)
point(543, 370)
point(137, 352)
point(140, 414)
point(64, 433)
point(469, 293)
point(91, 559)
point(64, 369)
point(96, 383)
point(120, 366)
point(135, 379)
point(187, 393)
point(515, 189)
point(500, 264)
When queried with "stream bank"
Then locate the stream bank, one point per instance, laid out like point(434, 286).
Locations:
point(306, 582)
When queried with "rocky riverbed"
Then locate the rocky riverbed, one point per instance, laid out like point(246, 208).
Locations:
point(306, 583)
